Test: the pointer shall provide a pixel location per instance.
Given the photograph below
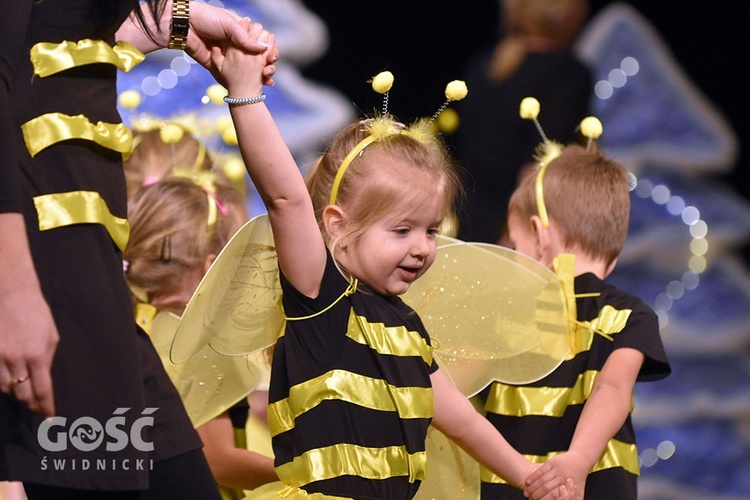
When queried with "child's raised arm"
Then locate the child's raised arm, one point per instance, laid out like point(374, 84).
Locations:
point(299, 243)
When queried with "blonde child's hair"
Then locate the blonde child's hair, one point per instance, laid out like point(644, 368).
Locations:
point(391, 170)
point(587, 198)
point(169, 230)
point(154, 159)
point(557, 22)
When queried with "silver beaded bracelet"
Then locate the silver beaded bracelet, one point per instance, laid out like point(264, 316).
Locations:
point(245, 100)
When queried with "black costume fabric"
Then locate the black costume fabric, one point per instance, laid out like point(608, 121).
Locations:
point(539, 419)
point(493, 143)
point(105, 370)
point(350, 392)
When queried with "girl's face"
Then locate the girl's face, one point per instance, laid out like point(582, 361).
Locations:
point(398, 248)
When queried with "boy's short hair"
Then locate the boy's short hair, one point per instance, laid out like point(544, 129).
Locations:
point(587, 198)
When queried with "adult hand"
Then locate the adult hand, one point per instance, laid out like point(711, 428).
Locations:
point(28, 335)
point(213, 30)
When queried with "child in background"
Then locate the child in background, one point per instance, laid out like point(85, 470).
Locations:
point(178, 225)
point(578, 418)
point(161, 149)
point(354, 385)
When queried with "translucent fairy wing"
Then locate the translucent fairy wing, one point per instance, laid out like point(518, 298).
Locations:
point(451, 473)
point(493, 313)
point(209, 383)
point(236, 308)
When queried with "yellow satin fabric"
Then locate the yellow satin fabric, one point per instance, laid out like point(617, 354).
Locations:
point(80, 207)
point(348, 459)
point(610, 321)
point(144, 316)
point(277, 489)
point(44, 131)
point(518, 401)
point(616, 454)
point(390, 340)
point(376, 394)
point(50, 58)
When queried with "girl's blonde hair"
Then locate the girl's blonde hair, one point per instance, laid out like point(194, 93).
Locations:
point(391, 170)
point(154, 159)
point(587, 198)
point(170, 231)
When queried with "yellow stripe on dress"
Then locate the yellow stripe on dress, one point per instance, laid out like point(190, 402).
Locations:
point(520, 401)
point(51, 58)
point(80, 207)
point(48, 129)
point(342, 385)
point(390, 340)
point(352, 460)
point(616, 454)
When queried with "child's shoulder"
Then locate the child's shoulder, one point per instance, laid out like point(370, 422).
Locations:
point(612, 295)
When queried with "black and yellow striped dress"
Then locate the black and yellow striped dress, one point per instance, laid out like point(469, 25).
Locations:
point(539, 419)
point(62, 144)
point(350, 393)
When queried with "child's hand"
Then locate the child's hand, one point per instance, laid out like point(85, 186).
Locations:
point(213, 30)
point(244, 73)
point(563, 476)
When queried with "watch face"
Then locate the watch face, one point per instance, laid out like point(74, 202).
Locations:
point(180, 25)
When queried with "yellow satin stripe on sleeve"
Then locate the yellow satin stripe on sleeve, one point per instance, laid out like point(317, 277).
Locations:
point(44, 131)
point(50, 58)
point(80, 207)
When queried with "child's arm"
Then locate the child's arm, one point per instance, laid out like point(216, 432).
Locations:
point(603, 415)
point(210, 27)
point(299, 243)
point(232, 466)
point(457, 418)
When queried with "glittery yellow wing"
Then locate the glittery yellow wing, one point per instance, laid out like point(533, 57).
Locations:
point(494, 314)
point(451, 473)
point(236, 308)
point(209, 383)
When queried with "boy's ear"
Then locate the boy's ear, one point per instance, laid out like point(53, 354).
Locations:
point(541, 235)
point(334, 219)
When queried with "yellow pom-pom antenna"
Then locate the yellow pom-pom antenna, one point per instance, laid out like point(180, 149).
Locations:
point(230, 136)
point(130, 99)
point(448, 121)
point(456, 90)
point(171, 133)
point(530, 111)
point(216, 93)
point(529, 108)
point(382, 82)
point(591, 128)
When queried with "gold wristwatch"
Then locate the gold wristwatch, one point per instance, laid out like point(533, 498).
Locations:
point(180, 24)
